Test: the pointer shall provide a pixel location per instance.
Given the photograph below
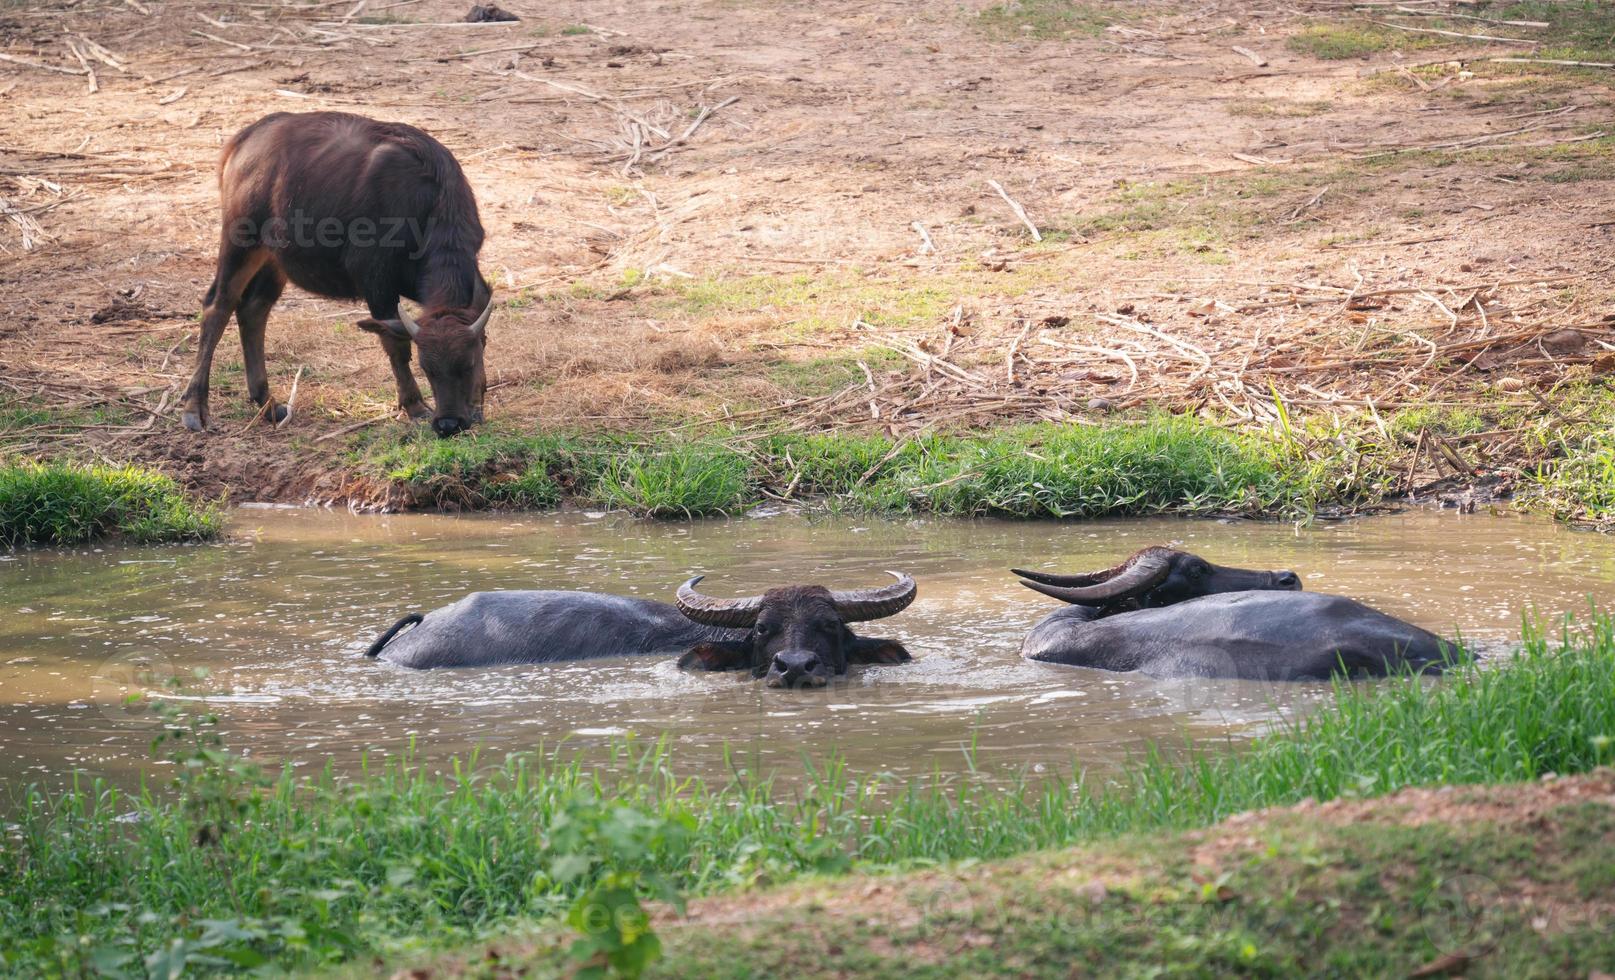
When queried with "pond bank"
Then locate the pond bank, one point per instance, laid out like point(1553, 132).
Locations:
point(1507, 880)
point(1155, 463)
point(62, 503)
point(235, 869)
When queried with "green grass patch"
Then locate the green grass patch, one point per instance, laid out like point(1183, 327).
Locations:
point(1303, 895)
point(231, 869)
point(1207, 214)
point(1339, 41)
point(809, 303)
point(1044, 19)
point(1278, 108)
point(682, 481)
point(822, 375)
point(1579, 484)
point(1581, 30)
point(1443, 421)
point(67, 503)
point(1155, 464)
point(23, 419)
point(1574, 476)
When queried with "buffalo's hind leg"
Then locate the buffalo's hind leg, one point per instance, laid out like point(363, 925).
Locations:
point(252, 317)
point(237, 267)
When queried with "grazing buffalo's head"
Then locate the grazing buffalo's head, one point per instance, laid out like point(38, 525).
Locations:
point(798, 635)
point(1155, 577)
point(451, 343)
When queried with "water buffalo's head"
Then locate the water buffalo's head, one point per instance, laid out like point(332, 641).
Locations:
point(798, 635)
point(1155, 577)
point(451, 343)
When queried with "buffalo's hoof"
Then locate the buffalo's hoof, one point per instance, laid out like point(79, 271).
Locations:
point(195, 421)
point(279, 414)
point(419, 412)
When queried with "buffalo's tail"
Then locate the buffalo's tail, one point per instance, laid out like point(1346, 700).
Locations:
point(385, 638)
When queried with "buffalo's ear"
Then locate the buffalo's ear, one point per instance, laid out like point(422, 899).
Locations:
point(868, 651)
point(717, 656)
point(386, 328)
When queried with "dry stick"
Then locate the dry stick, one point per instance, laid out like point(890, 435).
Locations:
point(1296, 214)
point(482, 51)
point(597, 97)
point(925, 237)
point(1120, 355)
point(1254, 58)
point(1015, 206)
point(1423, 85)
point(215, 37)
point(93, 85)
point(102, 55)
point(413, 23)
point(890, 455)
point(1553, 61)
point(705, 114)
point(1484, 20)
point(874, 409)
point(1196, 353)
point(291, 399)
point(354, 427)
point(1471, 37)
point(40, 65)
point(1009, 358)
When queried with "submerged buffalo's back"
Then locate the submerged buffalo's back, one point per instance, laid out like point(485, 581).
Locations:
point(351, 206)
point(1256, 635)
point(509, 627)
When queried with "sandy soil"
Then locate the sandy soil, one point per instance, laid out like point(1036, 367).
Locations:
point(1216, 228)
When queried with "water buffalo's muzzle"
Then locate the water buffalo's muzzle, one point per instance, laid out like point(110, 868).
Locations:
point(1287, 581)
point(448, 425)
point(797, 668)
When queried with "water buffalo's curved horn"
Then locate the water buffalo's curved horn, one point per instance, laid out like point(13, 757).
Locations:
point(860, 605)
point(482, 321)
point(716, 612)
point(1049, 578)
point(408, 321)
point(1140, 575)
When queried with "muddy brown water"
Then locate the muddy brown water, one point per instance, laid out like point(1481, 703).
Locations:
point(279, 617)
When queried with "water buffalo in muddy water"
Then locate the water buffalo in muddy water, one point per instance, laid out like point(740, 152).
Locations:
point(351, 208)
point(796, 636)
point(1168, 613)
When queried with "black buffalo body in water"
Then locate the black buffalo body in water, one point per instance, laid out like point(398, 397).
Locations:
point(793, 637)
point(1168, 613)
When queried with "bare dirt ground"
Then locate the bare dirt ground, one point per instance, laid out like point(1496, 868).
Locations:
point(784, 213)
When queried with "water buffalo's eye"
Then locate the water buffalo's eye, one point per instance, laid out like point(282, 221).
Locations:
point(766, 629)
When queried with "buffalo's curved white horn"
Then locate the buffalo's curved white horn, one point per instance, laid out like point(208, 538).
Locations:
point(408, 322)
point(482, 321)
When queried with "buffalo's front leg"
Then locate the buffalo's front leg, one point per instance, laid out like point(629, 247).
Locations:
point(237, 266)
point(409, 393)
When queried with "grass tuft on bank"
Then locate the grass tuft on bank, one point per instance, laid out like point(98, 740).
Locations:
point(1157, 464)
point(229, 869)
point(61, 503)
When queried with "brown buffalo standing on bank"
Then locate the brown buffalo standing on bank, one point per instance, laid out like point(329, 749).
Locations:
point(351, 208)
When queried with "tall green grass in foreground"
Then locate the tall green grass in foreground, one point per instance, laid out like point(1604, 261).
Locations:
point(233, 869)
point(1151, 465)
point(68, 503)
